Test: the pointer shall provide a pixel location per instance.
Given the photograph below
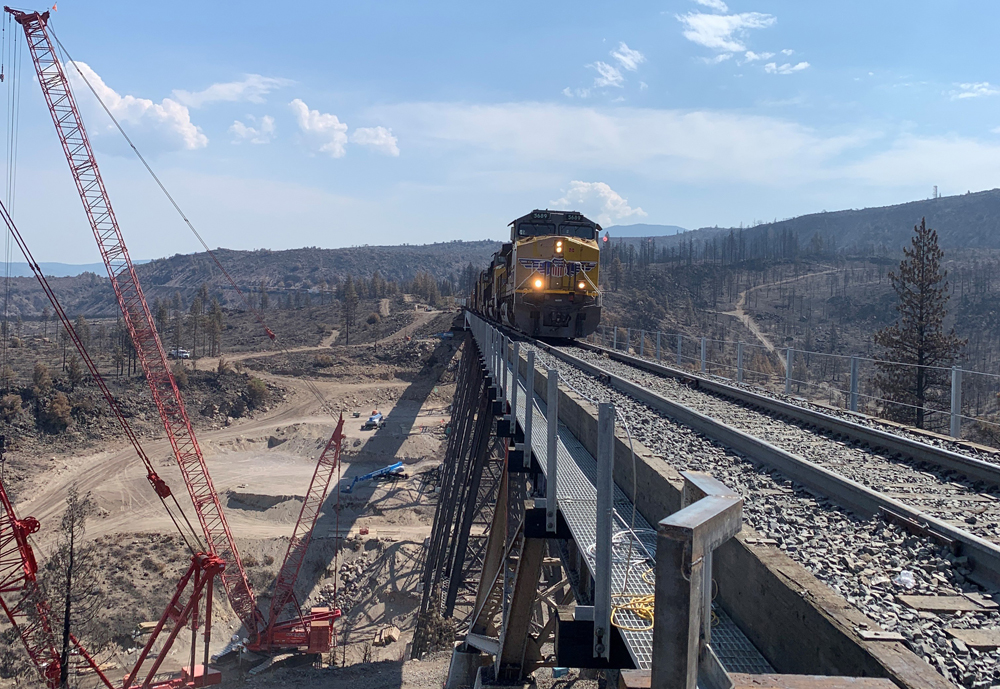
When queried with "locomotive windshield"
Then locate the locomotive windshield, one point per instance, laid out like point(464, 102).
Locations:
point(527, 229)
point(581, 231)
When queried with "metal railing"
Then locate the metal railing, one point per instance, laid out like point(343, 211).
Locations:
point(845, 381)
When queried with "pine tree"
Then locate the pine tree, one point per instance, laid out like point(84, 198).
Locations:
point(917, 339)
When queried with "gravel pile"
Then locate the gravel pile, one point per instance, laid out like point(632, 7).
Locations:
point(942, 494)
point(858, 558)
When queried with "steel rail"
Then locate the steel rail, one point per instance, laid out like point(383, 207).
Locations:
point(947, 460)
point(984, 557)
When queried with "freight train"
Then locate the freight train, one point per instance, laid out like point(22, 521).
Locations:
point(543, 282)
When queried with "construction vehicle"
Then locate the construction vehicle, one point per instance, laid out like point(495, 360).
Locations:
point(391, 471)
point(311, 631)
point(374, 422)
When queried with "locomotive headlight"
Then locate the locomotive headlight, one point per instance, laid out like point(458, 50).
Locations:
point(582, 285)
point(559, 247)
point(538, 283)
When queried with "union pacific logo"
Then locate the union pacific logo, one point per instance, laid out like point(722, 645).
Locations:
point(557, 267)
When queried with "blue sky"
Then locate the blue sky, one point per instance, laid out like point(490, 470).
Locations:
point(335, 124)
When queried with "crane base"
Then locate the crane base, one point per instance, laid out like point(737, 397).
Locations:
point(201, 677)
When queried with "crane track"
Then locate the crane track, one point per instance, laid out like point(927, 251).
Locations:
point(831, 524)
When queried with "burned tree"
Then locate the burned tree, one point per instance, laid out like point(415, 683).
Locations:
point(916, 350)
point(69, 578)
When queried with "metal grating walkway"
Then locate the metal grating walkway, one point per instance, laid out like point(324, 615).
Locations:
point(577, 473)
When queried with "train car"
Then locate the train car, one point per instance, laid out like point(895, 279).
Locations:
point(544, 281)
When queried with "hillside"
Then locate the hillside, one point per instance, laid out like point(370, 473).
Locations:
point(280, 272)
point(969, 221)
point(644, 230)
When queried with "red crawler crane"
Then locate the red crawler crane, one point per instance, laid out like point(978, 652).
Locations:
point(136, 314)
point(28, 611)
point(282, 634)
point(20, 597)
point(312, 631)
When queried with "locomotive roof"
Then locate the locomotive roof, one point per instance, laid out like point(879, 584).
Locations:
point(554, 216)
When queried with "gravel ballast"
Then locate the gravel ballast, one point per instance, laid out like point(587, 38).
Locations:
point(859, 558)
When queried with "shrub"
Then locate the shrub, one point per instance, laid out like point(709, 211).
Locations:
point(41, 378)
point(323, 360)
point(74, 372)
point(223, 366)
point(256, 392)
point(180, 375)
point(10, 406)
point(57, 414)
point(373, 318)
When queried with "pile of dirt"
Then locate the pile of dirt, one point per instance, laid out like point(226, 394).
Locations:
point(212, 400)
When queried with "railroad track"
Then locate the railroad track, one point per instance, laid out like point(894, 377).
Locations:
point(854, 505)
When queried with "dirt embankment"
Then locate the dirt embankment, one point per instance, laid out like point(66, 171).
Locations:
point(261, 465)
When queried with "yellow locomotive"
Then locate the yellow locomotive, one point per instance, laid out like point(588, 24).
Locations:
point(544, 281)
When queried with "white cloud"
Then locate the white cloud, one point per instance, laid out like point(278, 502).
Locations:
point(751, 56)
point(666, 145)
point(643, 86)
point(974, 90)
point(259, 134)
point(327, 128)
point(721, 57)
point(599, 200)
point(252, 88)
point(716, 5)
point(578, 93)
point(787, 51)
point(723, 32)
point(379, 138)
point(167, 122)
point(787, 68)
point(951, 161)
point(629, 59)
point(607, 75)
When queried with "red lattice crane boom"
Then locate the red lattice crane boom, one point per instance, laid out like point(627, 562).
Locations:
point(20, 598)
point(136, 314)
point(315, 636)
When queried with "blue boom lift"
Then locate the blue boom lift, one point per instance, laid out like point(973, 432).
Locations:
point(396, 468)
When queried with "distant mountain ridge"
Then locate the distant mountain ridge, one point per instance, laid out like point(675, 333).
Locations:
point(644, 230)
point(58, 270)
point(967, 221)
point(89, 291)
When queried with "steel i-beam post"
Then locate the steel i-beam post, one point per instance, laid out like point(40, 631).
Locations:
point(551, 480)
point(789, 353)
point(529, 407)
point(605, 520)
point(956, 402)
point(854, 383)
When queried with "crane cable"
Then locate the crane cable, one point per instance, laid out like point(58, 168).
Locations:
point(12, 232)
point(12, 116)
point(243, 297)
point(11, 112)
point(324, 404)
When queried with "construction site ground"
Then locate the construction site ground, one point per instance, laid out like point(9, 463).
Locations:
point(261, 467)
